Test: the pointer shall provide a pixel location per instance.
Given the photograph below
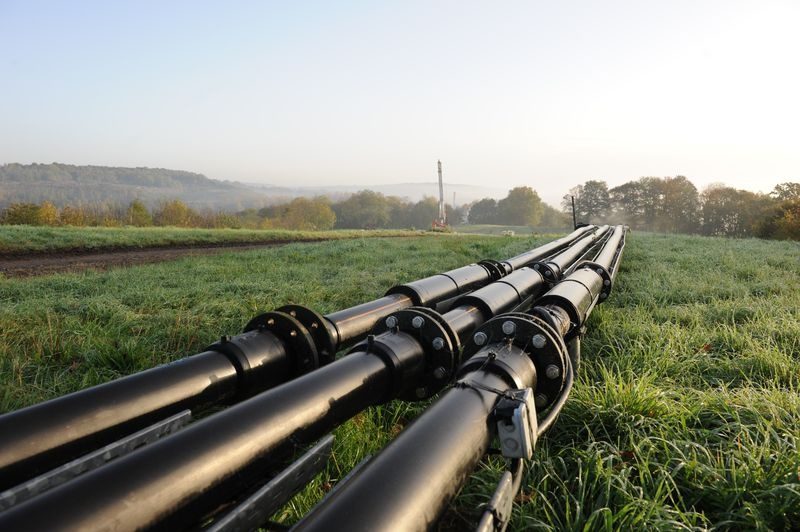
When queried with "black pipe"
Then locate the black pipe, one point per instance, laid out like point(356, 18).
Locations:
point(168, 482)
point(408, 484)
point(206, 460)
point(542, 252)
point(555, 267)
point(277, 347)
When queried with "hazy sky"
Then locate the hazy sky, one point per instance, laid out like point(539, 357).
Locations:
point(547, 94)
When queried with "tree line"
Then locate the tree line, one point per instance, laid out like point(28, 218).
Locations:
point(674, 205)
point(668, 204)
point(363, 210)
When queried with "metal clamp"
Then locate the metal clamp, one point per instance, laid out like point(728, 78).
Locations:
point(515, 414)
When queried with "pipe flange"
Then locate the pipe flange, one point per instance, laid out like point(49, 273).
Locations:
point(438, 340)
point(608, 281)
point(300, 343)
point(543, 345)
point(495, 269)
point(548, 270)
point(325, 336)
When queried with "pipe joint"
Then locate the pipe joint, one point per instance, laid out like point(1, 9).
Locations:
point(301, 348)
point(605, 275)
point(515, 335)
point(437, 339)
point(549, 270)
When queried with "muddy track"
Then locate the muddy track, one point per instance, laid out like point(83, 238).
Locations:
point(30, 264)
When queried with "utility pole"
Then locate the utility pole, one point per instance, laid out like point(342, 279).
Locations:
point(442, 210)
point(574, 218)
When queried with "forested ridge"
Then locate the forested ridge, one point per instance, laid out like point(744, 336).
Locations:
point(66, 184)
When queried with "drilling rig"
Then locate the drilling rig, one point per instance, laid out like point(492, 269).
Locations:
point(440, 223)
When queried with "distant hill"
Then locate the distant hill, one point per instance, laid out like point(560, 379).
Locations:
point(69, 184)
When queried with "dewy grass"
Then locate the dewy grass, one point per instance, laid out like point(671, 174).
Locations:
point(18, 239)
point(685, 415)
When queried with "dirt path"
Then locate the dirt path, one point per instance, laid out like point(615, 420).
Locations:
point(26, 265)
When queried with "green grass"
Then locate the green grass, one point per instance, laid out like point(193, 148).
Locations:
point(497, 230)
point(15, 239)
point(685, 415)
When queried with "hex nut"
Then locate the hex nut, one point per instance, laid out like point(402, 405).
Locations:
point(480, 338)
point(538, 341)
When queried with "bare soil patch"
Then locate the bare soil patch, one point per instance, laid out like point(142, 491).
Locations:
point(31, 264)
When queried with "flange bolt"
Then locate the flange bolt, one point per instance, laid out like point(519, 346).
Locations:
point(418, 322)
point(480, 338)
point(538, 341)
point(391, 322)
point(509, 327)
point(552, 371)
point(540, 400)
point(438, 343)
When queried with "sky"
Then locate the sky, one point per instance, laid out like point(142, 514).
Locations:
point(543, 94)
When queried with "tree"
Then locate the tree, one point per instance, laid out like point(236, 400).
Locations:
point(138, 214)
point(483, 212)
point(552, 218)
point(22, 214)
point(308, 215)
point(174, 213)
point(679, 209)
point(363, 210)
point(522, 206)
point(786, 191)
point(592, 202)
point(731, 212)
point(72, 216)
point(48, 214)
point(423, 212)
point(627, 204)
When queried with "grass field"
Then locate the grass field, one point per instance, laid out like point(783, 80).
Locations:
point(497, 230)
point(17, 239)
point(685, 415)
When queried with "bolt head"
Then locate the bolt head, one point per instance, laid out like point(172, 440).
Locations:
point(438, 343)
point(480, 338)
point(418, 322)
point(548, 273)
point(607, 282)
point(540, 400)
point(599, 271)
point(421, 392)
point(536, 267)
point(538, 341)
point(391, 322)
point(509, 327)
point(552, 371)
point(439, 373)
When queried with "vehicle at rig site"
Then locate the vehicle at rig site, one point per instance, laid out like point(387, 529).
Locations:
point(498, 341)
